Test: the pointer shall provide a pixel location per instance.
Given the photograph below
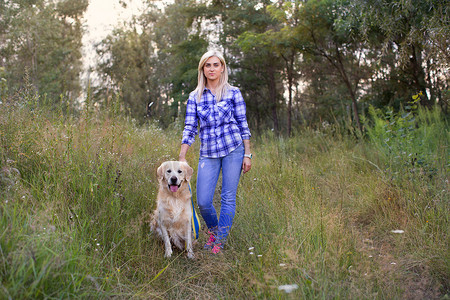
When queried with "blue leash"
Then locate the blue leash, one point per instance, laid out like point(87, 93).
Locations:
point(194, 221)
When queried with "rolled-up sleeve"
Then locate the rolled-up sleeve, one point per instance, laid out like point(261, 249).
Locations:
point(190, 122)
point(240, 115)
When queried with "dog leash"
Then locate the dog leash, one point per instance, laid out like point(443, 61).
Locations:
point(195, 220)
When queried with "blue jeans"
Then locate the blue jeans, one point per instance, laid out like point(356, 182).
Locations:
point(207, 175)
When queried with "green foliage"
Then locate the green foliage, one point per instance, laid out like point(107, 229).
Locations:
point(248, 39)
point(77, 193)
point(67, 186)
point(43, 39)
point(412, 35)
point(3, 85)
point(411, 140)
point(36, 259)
point(296, 62)
point(157, 65)
point(185, 56)
point(127, 70)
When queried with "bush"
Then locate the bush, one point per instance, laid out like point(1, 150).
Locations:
point(411, 142)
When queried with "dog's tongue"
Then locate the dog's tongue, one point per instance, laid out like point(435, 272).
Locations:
point(174, 188)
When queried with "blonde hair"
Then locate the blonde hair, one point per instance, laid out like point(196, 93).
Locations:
point(222, 86)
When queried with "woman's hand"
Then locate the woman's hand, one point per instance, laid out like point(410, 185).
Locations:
point(246, 164)
point(183, 151)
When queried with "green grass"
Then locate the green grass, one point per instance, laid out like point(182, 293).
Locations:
point(317, 209)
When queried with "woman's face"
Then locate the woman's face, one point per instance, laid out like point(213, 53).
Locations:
point(213, 68)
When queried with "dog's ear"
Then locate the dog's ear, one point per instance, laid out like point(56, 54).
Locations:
point(160, 172)
point(189, 171)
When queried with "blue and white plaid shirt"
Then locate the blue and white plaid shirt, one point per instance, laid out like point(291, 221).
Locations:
point(223, 125)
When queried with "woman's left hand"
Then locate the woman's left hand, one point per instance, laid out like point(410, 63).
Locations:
point(246, 164)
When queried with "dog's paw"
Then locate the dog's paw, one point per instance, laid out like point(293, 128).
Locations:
point(168, 253)
point(190, 255)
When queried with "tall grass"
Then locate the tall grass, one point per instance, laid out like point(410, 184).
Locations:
point(316, 210)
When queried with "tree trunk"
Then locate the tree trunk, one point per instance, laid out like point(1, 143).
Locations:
point(273, 97)
point(290, 77)
point(419, 74)
point(348, 84)
point(290, 108)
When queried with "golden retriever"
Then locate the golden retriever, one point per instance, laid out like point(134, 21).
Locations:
point(173, 214)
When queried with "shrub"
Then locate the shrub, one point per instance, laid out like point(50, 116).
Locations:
point(411, 141)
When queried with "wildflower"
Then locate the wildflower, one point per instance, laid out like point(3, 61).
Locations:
point(251, 248)
point(288, 288)
point(259, 255)
point(282, 265)
point(397, 231)
point(251, 253)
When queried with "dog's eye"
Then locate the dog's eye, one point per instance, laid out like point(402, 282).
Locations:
point(169, 171)
point(179, 171)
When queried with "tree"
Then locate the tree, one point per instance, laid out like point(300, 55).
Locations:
point(124, 70)
point(152, 60)
point(336, 56)
point(43, 38)
point(288, 47)
point(239, 28)
point(416, 39)
point(339, 46)
point(185, 56)
point(261, 59)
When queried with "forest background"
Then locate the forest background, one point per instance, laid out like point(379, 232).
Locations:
point(347, 102)
point(297, 62)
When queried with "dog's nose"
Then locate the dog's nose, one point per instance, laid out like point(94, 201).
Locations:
point(173, 180)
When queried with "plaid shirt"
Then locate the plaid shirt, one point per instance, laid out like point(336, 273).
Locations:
point(223, 125)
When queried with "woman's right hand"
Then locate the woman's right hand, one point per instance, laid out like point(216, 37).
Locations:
point(183, 151)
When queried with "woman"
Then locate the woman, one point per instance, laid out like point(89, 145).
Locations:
point(225, 143)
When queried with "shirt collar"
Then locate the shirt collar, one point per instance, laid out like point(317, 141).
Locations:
point(205, 90)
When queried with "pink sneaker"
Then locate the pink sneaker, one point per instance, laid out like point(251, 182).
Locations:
point(211, 241)
point(217, 248)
